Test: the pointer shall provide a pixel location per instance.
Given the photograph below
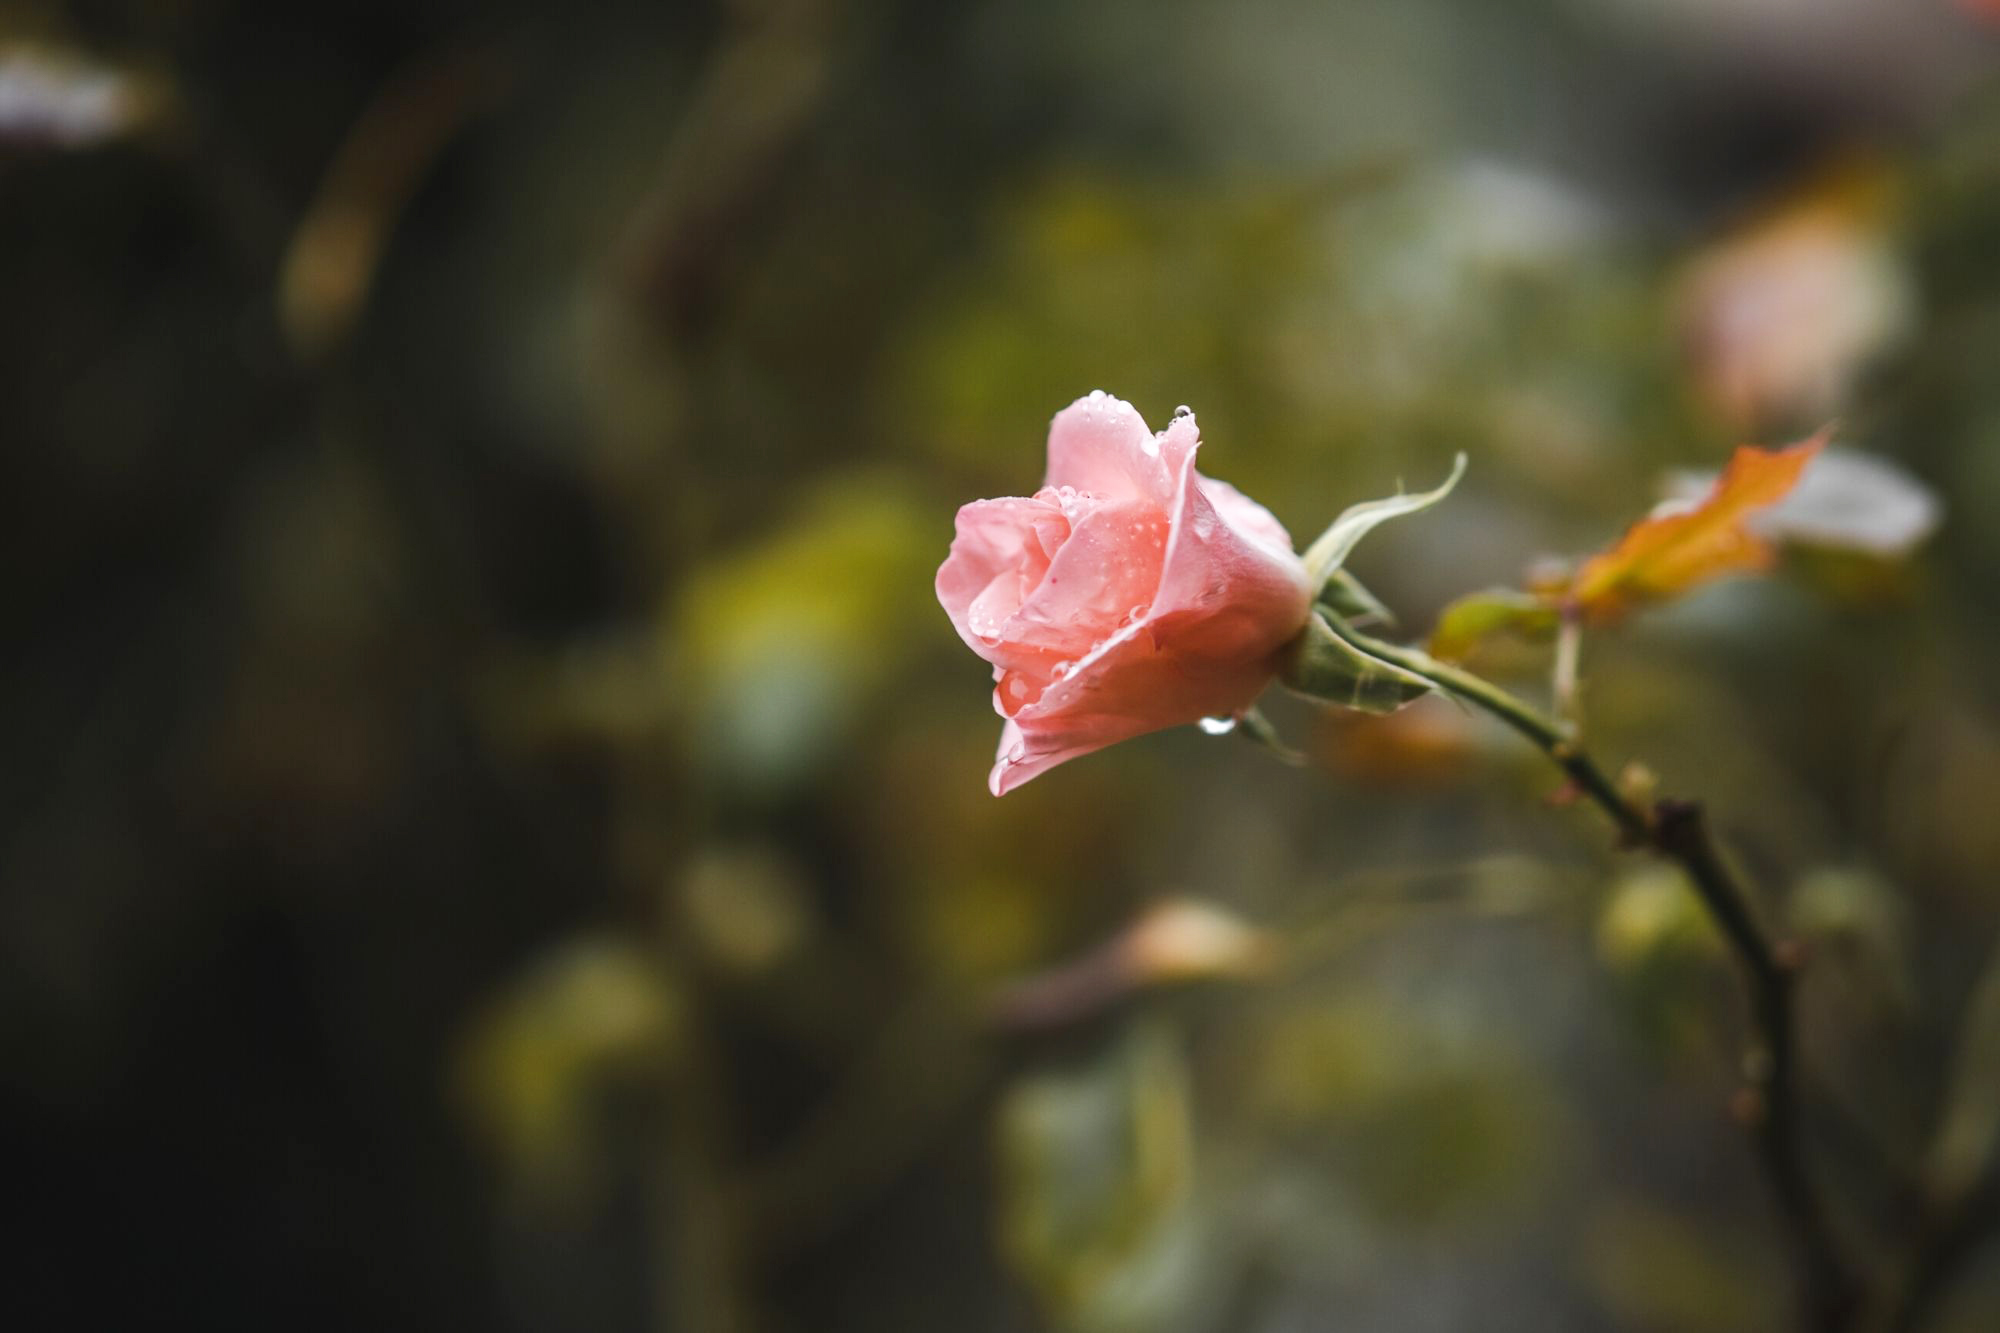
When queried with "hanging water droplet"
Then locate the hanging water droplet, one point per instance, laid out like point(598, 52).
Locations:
point(1218, 726)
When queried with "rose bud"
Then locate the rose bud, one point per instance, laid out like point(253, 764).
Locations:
point(1129, 594)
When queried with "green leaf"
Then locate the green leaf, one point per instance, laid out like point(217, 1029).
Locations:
point(1466, 622)
point(1345, 597)
point(1095, 1176)
point(1327, 554)
point(1321, 664)
point(1252, 725)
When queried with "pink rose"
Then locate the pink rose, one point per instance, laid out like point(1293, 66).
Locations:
point(1130, 593)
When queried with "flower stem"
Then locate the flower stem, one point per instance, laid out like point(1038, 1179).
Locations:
point(1549, 735)
point(1829, 1293)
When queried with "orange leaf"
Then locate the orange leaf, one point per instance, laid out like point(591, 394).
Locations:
point(1668, 553)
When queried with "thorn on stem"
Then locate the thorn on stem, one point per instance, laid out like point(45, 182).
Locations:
point(1638, 784)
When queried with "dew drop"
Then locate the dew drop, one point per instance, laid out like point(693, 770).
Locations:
point(1183, 411)
point(1062, 669)
point(1218, 726)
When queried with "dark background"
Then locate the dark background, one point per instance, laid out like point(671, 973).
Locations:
point(492, 821)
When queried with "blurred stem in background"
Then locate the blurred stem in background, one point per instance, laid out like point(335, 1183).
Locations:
point(1961, 1175)
point(1832, 1294)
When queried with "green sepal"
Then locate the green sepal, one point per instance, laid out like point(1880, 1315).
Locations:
point(1322, 664)
point(1327, 554)
point(1345, 598)
point(1252, 725)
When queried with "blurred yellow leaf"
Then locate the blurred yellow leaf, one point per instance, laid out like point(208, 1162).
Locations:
point(748, 908)
point(1858, 922)
point(1652, 913)
point(1657, 940)
point(1847, 501)
point(532, 1069)
point(1682, 545)
point(1464, 624)
point(785, 641)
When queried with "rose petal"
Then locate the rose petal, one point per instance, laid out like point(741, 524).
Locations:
point(1104, 576)
point(1226, 602)
point(1100, 444)
point(995, 540)
point(1214, 571)
point(1130, 686)
point(1014, 763)
point(1245, 515)
point(1136, 594)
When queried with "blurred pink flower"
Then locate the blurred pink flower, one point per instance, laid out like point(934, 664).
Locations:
point(1780, 317)
point(1129, 594)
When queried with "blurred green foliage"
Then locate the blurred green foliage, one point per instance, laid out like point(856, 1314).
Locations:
point(496, 825)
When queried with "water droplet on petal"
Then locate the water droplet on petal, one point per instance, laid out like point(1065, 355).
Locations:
point(1062, 669)
point(1218, 726)
point(1183, 411)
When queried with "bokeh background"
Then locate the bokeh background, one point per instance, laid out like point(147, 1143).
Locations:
point(495, 827)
